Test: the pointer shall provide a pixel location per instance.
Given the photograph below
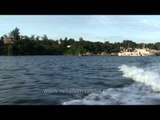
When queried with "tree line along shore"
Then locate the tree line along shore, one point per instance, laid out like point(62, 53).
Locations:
point(14, 43)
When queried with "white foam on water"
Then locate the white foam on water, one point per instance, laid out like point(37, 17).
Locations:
point(135, 94)
point(148, 77)
point(145, 90)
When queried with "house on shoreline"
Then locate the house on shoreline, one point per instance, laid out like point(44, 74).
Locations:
point(139, 52)
point(7, 40)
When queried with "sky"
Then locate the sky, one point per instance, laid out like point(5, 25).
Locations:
point(112, 28)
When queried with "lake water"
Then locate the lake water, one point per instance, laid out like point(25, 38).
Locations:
point(79, 80)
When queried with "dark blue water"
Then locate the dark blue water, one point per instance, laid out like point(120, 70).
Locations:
point(23, 80)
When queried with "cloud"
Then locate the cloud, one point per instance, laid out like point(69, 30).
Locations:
point(127, 22)
point(112, 20)
point(146, 25)
point(147, 22)
point(150, 25)
point(100, 20)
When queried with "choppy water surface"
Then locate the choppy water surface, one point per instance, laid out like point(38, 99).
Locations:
point(79, 80)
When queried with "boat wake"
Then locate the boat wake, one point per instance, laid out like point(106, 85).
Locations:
point(148, 76)
point(144, 91)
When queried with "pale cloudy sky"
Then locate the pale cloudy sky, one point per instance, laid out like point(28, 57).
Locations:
point(113, 28)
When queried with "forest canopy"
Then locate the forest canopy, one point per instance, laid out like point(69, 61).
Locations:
point(15, 44)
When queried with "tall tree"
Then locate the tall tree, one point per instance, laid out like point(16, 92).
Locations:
point(15, 34)
point(37, 38)
point(44, 37)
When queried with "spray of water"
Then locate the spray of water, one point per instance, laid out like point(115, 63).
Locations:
point(147, 81)
point(148, 77)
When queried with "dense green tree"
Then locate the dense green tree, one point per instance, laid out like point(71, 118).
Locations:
point(10, 50)
point(37, 38)
point(128, 44)
point(45, 38)
point(15, 34)
point(157, 46)
point(32, 45)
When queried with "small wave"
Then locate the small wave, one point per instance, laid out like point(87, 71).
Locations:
point(135, 94)
point(147, 76)
point(145, 91)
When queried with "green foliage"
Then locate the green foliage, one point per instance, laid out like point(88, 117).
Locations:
point(45, 38)
point(15, 34)
point(128, 44)
point(33, 45)
point(10, 49)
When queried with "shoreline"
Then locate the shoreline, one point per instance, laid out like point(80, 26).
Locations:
point(80, 56)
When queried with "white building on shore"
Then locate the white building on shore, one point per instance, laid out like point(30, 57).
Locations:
point(140, 52)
